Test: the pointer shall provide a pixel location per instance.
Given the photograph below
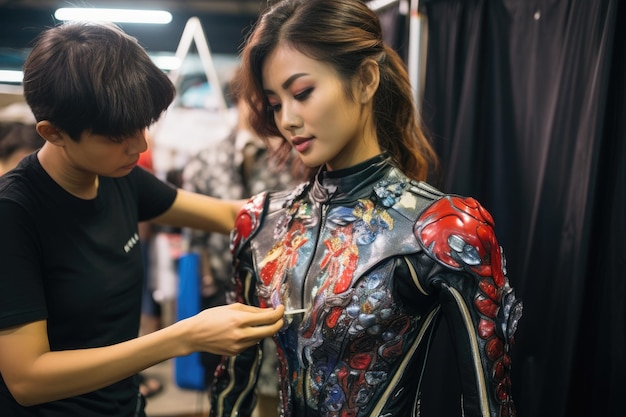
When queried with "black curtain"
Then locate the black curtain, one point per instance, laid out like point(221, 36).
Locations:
point(525, 101)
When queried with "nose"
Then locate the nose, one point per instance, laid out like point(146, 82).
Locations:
point(138, 143)
point(290, 120)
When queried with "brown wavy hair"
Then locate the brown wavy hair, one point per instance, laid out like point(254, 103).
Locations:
point(343, 33)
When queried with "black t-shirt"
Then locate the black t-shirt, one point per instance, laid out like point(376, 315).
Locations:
point(76, 263)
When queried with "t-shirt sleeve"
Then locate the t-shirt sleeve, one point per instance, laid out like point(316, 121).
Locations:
point(22, 297)
point(155, 196)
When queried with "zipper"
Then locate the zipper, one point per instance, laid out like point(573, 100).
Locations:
point(138, 406)
point(323, 210)
point(322, 220)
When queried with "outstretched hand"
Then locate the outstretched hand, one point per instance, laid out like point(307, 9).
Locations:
point(229, 329)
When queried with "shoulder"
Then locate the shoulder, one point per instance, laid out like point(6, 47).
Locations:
point(458, 232)
point(422, 194)
point(141, 177)
point(138, 181)
point(248, 220)
point(23, 185)
point(253, 213)
point(152, 195)
point(407, 197)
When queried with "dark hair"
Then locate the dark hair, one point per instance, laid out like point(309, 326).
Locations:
point(343, 33)
point(233, 89)
point(93, 76)
point(17, 136)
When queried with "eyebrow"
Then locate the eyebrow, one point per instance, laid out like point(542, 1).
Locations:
point(288, 82)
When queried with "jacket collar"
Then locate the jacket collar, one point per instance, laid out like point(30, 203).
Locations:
point(351, 183)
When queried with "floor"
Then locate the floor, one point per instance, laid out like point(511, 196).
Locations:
point(174, 401)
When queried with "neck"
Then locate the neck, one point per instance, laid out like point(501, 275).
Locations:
point(77, 182)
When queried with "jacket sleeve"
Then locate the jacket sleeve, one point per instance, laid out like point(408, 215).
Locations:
point(233, 392)
point(476, 298)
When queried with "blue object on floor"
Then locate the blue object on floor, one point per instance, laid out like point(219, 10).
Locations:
point(188, 370)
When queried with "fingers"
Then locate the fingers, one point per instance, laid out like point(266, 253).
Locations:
point(255, 316)
point(252, 309)
point(266, 330)
point(253, 335)
point(230, 329)
point(258, 324)
point(267, 316)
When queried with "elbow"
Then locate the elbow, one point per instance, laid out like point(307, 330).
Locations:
point(24, 395)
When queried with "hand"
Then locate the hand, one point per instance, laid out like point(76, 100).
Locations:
point(229, 329)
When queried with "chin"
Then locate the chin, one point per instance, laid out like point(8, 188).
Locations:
point(118, 174)
point(311, 162)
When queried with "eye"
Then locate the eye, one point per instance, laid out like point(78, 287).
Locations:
point(274, 108)
point(304, 94)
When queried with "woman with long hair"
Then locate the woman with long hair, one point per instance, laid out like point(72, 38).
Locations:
point(365, 256)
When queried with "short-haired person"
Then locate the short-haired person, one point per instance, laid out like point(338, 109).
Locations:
point(365, 256)
point(71, 280)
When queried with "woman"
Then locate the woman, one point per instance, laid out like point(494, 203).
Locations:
point(365, 256)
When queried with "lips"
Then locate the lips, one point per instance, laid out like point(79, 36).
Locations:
point(301, 144)
point(131, 166)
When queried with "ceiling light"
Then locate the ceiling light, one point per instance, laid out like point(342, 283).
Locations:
point(377, 5)
point(114, 15)
point(166, 63)
point(9, 76)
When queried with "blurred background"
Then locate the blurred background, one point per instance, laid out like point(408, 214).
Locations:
point(221, 28)
point(525, 101)
point(224, 20)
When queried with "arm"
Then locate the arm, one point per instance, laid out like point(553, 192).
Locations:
point(201, 212)
point(35, 375)
point(476, 298)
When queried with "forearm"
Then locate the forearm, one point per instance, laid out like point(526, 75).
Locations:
point(61, 374)
point(36, 375)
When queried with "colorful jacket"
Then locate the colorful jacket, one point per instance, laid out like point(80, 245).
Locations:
point(373, 259)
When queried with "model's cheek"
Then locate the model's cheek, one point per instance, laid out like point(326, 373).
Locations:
point(331, 123)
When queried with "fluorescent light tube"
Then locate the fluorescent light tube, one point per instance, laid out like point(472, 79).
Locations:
point(114, 15)
point(10, 76)
point(377, 5)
